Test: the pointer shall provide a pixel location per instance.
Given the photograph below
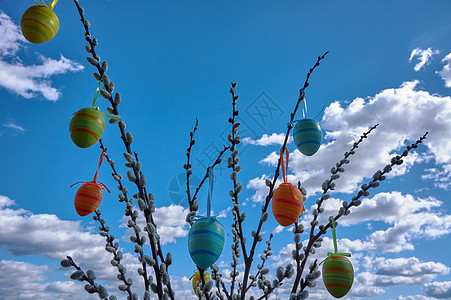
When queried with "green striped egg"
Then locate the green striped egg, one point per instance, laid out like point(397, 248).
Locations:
point(86, 127)
point(338, 275)
point(206, 241)
point(39, 24)
point(307, 136)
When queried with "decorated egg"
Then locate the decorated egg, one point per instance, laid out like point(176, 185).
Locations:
point(39, 24)
point(86, 127)
point(338, 275)
point(196, 279)
point(307, 136)
point(206, 241)
point(88, 197)
point(287, 204)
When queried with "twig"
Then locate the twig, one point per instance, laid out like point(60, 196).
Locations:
point(139, 179)
point(232, 162)
point(80, 275)
point(187, 166)
point(248, 261)
point(326, 186)
point(344, 210)
point(117, 255)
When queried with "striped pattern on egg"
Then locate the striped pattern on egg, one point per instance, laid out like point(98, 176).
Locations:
point(39, 24)
point(338, 275)
point(206, 242)
point(86, 127)
point(88, 198)
point(287, 204)
point(307, 136)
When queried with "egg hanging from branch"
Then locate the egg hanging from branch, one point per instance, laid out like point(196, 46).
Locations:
point(307, 136)
point(338, 275)
point(206, 241)
point(88, 197)
point(195, 279)
point(287, 204)
point(39, 24)
point(86, 127)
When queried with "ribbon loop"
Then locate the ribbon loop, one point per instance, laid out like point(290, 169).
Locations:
point(304, 104)
point(334, 236)
point(100, 163)
point(210, 190)
point(284, 165)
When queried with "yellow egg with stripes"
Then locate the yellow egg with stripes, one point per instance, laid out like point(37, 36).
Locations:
point(39, 24)
point(195, 280)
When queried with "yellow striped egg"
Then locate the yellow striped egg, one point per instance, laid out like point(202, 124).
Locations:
point(39, 24)
point(196, 279)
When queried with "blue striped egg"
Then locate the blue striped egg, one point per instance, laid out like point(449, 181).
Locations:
point(206, 241)
point(307, 136)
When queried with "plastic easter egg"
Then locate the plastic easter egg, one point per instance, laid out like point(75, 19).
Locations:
point(287, 204)
point(338, 275)
point(86, 127)
point(307, 136)
point(206, 241)
point(39, 24)
point(88, 198)
point(196, 279)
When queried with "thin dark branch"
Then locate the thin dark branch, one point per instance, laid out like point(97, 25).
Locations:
point(248, 261)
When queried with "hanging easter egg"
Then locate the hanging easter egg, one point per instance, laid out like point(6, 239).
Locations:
point(307, 136)
point(86, 127)
point(88, 197)
point(287, 204)
point(195, 279)
point(206, 241)
point(39, 24)
point(338, 275)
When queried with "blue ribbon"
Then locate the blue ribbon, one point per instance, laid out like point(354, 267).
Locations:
point(210, 190)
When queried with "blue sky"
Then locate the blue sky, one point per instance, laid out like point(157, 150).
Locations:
point(389, 63)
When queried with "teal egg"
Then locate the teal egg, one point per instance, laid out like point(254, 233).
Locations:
point(307, 136)
point(206, 242)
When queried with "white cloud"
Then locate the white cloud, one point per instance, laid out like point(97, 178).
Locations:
point(28, 81)
point(22, 280)
point(278, 229)
point(445, 73)
point(10, 36)
point(404, 114)
point(13, 126)
point(267, 140)
point(171, 222)
point(440, 290)
point(415, 297)
point(424, 57)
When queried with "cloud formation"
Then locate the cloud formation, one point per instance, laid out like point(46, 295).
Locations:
point(440, 290)
point(404, 114)
point(28, 81)
point(445, 73)
point(423, 55)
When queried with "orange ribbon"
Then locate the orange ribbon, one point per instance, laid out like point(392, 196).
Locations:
point(282, 162)
point(97, 172)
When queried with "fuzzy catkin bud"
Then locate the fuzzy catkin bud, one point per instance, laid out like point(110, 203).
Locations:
point(131, 177)
point(128, 157)
point(142, 181)
point(129, 137)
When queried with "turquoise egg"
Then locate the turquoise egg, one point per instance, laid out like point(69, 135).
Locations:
point(206, 242)
point(307, 136)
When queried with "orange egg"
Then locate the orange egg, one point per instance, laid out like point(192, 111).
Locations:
point(88, 197)
point(287, 204)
